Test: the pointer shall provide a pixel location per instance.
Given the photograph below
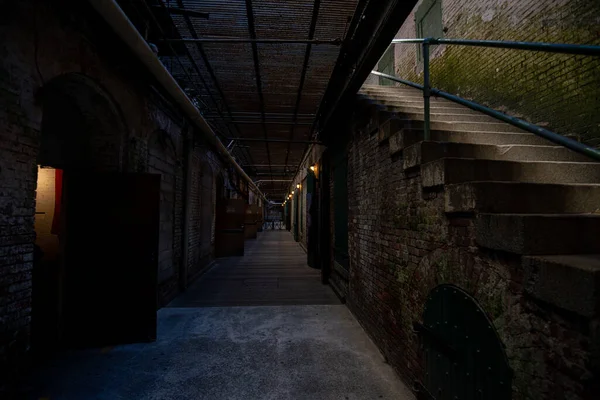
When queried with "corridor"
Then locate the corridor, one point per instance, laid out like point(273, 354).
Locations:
point(273, 272)
point(258, 327)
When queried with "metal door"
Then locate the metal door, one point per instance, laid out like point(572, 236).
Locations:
point(463, 354)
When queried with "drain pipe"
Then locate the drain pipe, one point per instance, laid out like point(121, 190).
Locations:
point(118, 21)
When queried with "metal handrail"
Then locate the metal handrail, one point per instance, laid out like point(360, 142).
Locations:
point(519, 123)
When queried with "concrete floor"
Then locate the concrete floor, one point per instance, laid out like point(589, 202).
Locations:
point(273, 271)
point(265, 352)
point(291, 348)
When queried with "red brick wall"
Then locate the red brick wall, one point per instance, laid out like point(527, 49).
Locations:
point(554, 90)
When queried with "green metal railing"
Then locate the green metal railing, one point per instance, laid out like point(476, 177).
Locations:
point(554, 137)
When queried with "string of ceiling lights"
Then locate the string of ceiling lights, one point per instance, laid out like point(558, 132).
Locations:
point(313, 168)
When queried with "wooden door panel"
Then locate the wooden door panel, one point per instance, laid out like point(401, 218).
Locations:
point(111, 257)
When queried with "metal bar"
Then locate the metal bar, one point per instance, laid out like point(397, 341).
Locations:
point(180, 11)
point(208, 67)
point(194, 65)
point(426, 91)
point(252, 32)
point(554, 137)
point(263, 165)
point(332, 42)
point(275, 173)
point(396, 79)
point(311, 34)
point(403, 41)
point(206, 62)
point(580, 49)
point(272, 115)
point(241, 139)
point(268, 122)
point(112, 13)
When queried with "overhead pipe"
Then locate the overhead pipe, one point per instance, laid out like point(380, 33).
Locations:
point(122, 26)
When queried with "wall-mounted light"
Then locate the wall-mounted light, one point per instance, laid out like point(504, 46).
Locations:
point(292, 192)
point(312, 168)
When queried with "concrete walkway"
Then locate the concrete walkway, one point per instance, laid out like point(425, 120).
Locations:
point(273, 271)
point(289, 351)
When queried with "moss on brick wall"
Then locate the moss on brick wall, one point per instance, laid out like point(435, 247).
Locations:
point(554, 90)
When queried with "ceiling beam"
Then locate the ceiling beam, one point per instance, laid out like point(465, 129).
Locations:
point(193, 63)
point(180, 11)
point(331, 42)
point(311, 34)
point(268, 122)
point(261, 101)
point(209, 68)
point(241, 139)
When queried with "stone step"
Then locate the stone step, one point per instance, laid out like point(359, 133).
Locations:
point(398, 92)
point(445, 116)
point(390, 90)
point(407, 137)
point(424, 152)
point(440, 108)
point(570, 282)
point(458, 170)
point(539, 234)
point(457, 126)
point(521, 197)
point(406, 97)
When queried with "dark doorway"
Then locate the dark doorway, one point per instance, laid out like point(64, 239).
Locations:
point(463, 354)
point(91, 241)
point(229, 231)
point(312, 220)
point(110, 257)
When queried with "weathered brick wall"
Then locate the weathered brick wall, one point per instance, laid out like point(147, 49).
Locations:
point(50, 40)
point(553, 90)
point(313, 157)
point(402, 245)
point(202, 203)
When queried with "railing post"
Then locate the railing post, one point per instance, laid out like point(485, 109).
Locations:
point(426, 91)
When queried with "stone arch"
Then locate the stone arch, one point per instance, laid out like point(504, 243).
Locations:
point(82, 125)
point(207, 199)
point(162, 160)
point(487, 279)
point(82, 131)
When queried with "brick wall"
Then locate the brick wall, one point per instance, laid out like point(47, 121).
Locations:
point(402, 245)
point(201, 223)
point(52, 43)
point(553, 90)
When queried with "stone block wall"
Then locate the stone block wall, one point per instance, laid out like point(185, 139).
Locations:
point(402, 244)
point(557, 91)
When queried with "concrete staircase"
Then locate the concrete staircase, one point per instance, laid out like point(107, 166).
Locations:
point(528, 196)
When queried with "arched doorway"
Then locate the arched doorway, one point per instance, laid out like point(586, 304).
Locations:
point(463, 354)
point(88, 223)
point(162, 160)
point(207, 212)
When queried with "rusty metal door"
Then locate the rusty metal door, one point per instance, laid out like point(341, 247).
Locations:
point(463, 354)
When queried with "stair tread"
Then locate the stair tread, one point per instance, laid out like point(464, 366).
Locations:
point(592, 185)
point(591, 163)
point(544, 215)
point(588, 262)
